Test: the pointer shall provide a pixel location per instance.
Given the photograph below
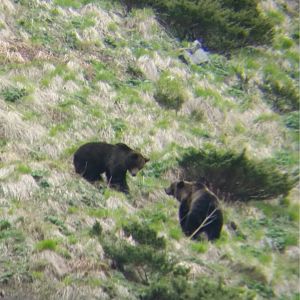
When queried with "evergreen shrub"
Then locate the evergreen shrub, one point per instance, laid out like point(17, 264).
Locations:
point(233, 176)
point(222, 25)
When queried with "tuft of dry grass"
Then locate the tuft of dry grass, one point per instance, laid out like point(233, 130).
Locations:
point(16, 51)
point(21, 189)
point(13, 128)
point(148, 67)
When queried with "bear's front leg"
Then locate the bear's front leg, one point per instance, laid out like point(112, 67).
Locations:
point(117, 180)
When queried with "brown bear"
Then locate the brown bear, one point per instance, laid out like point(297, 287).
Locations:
point(199, 209)
point(93, 159)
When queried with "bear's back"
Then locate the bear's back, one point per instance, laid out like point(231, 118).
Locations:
point(204, 210)
point(92, 157)
point(204, 201)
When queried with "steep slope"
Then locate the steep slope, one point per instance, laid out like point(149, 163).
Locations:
point(76, 71)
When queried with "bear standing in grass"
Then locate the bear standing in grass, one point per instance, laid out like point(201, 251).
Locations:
point(199, 209)
point(93, 159)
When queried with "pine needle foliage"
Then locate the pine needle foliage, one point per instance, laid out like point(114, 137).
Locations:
point(222, 25)
point(143, 234)
point(233, 176)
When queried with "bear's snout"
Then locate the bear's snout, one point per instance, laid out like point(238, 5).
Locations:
point(134, 171)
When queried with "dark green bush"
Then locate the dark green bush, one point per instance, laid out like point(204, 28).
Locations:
point(167, 288)
point(4, 225)
point(138, 257)
point(178, 288)
point(146, 259)
point(144, 235)
point(13, 94)
point(235, 177)
point(147, 253)
point(223, 25)
point(292, 120)
point(96, 229)
point(157, 275)
point(161, 277)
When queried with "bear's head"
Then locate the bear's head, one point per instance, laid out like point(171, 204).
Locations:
point(135, 162)
point(183, 190)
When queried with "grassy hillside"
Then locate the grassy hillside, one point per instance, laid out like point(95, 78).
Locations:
point(73, 71)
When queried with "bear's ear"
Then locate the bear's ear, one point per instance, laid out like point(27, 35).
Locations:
point(134, 156)
point(180, 184)
point(200, 185)
point(203, 180)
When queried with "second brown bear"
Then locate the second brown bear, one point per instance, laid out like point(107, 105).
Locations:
point(199, 210)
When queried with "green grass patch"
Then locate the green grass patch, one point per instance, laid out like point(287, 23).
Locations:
point(46, 245)
point(129, 94)
point(59, 128)
point(199, 247)
point(213, 95)
point(73, 210)
point(23, 169)
point(101, 72)
point(60, 70)
point(267, 117)
point(83, 22)
point(69, 3)
point(260, 254)
point(170, 91)
point(59, 223)
point(282, 91)
point(98, 213)
point(175, 232)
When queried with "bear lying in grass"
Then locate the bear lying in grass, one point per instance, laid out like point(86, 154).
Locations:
point(199, 210)
point(93, 159)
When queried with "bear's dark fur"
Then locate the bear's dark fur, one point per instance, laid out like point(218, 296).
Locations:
point(93, 159)
point(199, 209)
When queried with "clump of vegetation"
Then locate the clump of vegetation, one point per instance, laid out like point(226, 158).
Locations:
point(4, 225)
point(178, 287)
point(13, 94)
point(59, 223)
point(144, 235)
point(222, 25)
point(46, 245)
point(282, 93)
point(72, 40)
point(142, 262)
point(292, 120)
point(147, 263)
point(136, 75)
point(170, 92)
point(233, 176)
point(96, 229)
